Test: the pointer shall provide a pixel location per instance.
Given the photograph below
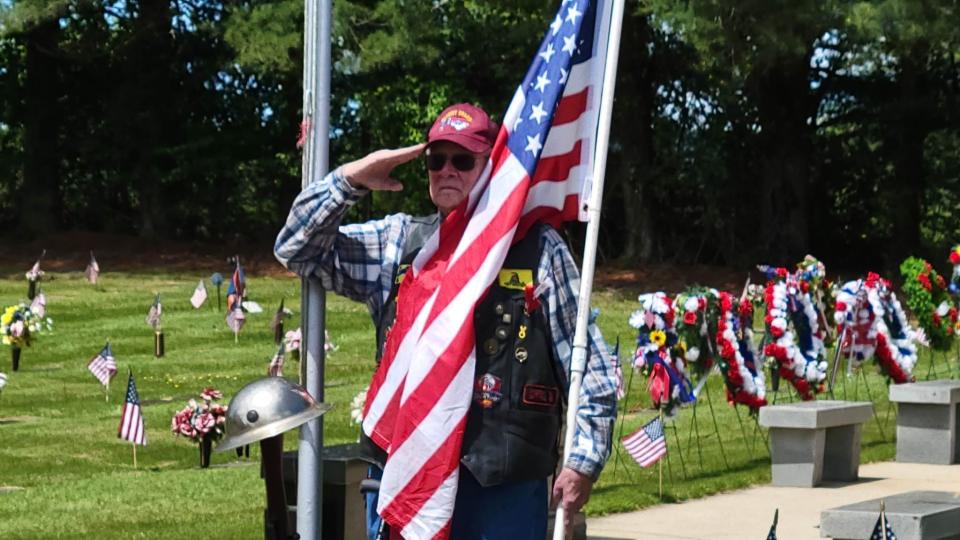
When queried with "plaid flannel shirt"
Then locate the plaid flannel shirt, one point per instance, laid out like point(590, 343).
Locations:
point(359, 261)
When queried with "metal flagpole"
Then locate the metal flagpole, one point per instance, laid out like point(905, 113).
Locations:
point(580, 341)
point(315, 130)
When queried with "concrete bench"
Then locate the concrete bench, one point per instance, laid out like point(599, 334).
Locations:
point(914, 515)
point(814, 441)
point(927, 421)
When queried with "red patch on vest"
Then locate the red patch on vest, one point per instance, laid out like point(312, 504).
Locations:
point(541, 396)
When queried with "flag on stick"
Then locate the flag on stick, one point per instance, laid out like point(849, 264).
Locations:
point(131, 421)
point(618, 370)
point(235, 290)
point(39, 304)
point(882, 530)
point(772, 535)
point(156, 310)
point(537, 171)
point(92, 271)
point(199, 295)
point(276, 325)
point(276, 364)
point(648, 444)
point(103, 366)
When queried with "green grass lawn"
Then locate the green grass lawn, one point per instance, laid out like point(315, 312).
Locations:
point(58, 432)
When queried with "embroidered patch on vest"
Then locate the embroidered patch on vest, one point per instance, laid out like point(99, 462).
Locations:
point(487, 390)
point(539, 395)
point(401, 273)
point(515, 278)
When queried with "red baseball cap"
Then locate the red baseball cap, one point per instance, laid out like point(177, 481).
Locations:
point(466, 125)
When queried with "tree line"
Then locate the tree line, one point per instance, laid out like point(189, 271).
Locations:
point(744, 131)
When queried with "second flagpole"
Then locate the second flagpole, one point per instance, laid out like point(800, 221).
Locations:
point(580, 339)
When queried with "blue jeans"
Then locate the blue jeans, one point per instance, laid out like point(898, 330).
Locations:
point(516, 511)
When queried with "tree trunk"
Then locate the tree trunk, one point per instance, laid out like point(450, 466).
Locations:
point(38, 202)
point(785, 103)
point(633, 127)
point(910, 119)
point(151, 68)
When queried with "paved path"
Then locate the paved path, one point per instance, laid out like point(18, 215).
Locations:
point(747, 514)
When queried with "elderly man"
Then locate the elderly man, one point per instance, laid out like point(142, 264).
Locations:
point(523, 344)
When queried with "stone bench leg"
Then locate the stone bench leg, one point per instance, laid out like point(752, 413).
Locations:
point(807, 457)
point(841, 457)
point(796, 456)
point(927, 433)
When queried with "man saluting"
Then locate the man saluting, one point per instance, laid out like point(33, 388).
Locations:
point(524, 327)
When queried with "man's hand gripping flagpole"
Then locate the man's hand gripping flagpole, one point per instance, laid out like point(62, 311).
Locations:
point(571, 489)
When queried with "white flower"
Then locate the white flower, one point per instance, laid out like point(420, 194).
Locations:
point(943, 308)
point(693, 354)
point(357, 405)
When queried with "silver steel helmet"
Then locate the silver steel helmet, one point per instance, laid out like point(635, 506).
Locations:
point(267, 407)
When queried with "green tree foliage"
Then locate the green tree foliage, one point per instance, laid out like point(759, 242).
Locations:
point(744, 131)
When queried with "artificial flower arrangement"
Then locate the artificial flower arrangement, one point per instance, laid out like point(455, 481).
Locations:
point(20, 323)
point(954, 287)
point(812, 278)
point(199, 421)
point(794, 334)
point(874, 324)
point(738, 355)
point(669, 384)
point(696, 325)
point(293, 338)
point(927, 298)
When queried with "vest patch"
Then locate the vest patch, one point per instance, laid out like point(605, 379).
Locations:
point(511, 278)
point(539, 395)
point(487, 391)
point(401, 273)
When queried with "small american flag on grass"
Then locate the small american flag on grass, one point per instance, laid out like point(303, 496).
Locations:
point(648, 444)
point(103, 366)
point(131, 422)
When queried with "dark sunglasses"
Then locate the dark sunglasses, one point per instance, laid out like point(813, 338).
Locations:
point(461, 162)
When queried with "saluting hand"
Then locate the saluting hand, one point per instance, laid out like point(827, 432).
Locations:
point(373, 170)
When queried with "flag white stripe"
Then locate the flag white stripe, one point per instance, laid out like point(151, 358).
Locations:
point(431, 433)
point(441, 332)
point(579, 77)
point(489, 207)
point(648, 452)
point(428, 524)
point(397, 371)
point(547, 193)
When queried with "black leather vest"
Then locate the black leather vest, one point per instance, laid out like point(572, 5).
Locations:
point(513, 423)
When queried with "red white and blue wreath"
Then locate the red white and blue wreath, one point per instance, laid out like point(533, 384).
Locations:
point(698, 311)
point(669, 384)
point(874, 325)
point(738, 354)
point(794, 335)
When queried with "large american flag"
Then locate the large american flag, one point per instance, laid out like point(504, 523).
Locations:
point(131, 422)
point(103, 366)
point(418, 400)
point(648, 444)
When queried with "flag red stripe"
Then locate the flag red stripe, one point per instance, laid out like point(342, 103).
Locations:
point(438, 379)
point(557, 168)
point(402, 509)
point(420, 402)
point(571, 107)
point(550, 215)
point(472, 258)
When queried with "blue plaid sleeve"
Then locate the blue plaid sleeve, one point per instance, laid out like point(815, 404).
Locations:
point(357, 260)
point(598, 395)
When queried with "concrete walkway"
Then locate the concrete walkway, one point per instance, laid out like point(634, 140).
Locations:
point(747, 514)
